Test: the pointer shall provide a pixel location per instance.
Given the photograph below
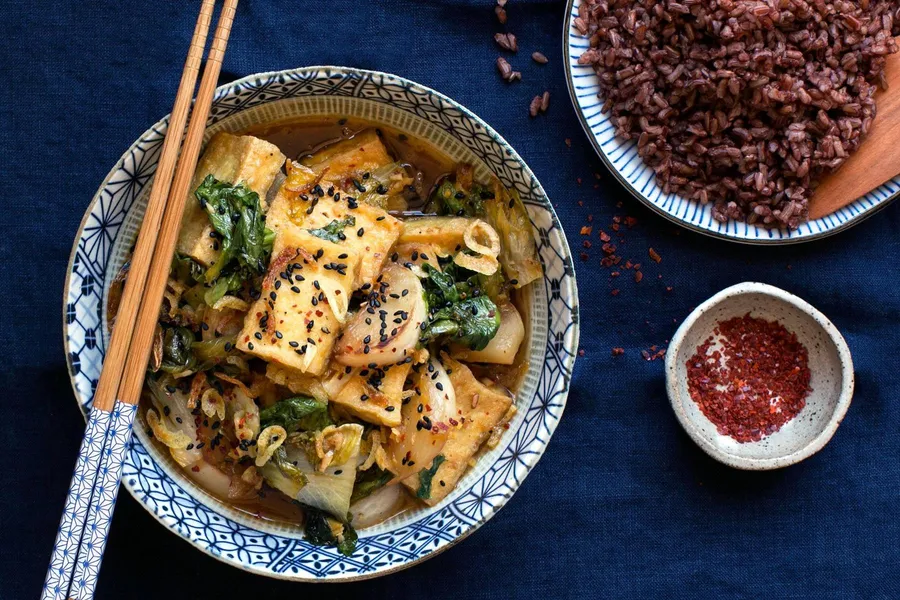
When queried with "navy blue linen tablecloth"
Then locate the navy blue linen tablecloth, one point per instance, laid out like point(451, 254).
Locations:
point(622, 504)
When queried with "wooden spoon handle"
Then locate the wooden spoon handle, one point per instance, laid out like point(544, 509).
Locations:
point(878, 157)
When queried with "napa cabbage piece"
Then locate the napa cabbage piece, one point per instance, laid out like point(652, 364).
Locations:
point(518, 253)
point(385, 187)
point(170, 420)
point(295, 414)
point(280, 473)
point(504, 346)
point(327, 461)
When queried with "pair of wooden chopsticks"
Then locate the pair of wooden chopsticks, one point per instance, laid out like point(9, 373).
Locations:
point(83, 529)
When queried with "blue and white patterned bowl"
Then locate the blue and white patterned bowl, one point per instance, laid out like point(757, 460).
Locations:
point(622, 159)
point(274, 549)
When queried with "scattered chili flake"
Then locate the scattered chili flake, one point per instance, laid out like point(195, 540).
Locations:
point(578, 180)
point(586, 244)
point(638, 276)
point(614, 274)
point(584, 256)
point(654, 255)
point(750, 377)
point(609, 248)
point(604, 237)
point(568, 142)
point(630, 222)
point(586, 230)
point(615, 292)
point(581, 352)
point(618, 351)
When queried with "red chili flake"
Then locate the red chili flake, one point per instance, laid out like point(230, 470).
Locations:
point(618, 351)
point(584, 256)
point(597, 175)
point(604, 237)
point(578, 179)
point(581, 203)
point(581, 352)
point(614, 226)
point(654, 255)
point(614, 274)
point(645, 354)
point(638, 276)
point(668, 288)
point(590, 218)
point(568, 142)
point(586, 244)
point(628, 264)
point(750, 377)
point(637, 266)
point(615, 292)
point(609, 248)
point(586, 230)
point(630, 222)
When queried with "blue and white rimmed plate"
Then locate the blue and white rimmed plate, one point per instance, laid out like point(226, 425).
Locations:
point(275, 549)
point(622, 159)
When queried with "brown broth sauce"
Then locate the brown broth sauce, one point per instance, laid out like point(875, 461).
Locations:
point(299, 138)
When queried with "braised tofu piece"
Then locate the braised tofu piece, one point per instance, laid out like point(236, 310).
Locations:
point(374, 395)
point(480, 410)
point(368, 231)
point(304, 300)
point(349, 159)
point(232, 159)
point(444, 234)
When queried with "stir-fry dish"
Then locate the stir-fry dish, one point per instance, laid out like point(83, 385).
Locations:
point(343, 329)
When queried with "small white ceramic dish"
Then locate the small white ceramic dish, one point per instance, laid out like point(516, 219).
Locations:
point(830, 365)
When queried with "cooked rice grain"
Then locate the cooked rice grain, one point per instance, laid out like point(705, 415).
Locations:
point(744, 104)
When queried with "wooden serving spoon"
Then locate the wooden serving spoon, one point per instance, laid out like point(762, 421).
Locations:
point(877, 159)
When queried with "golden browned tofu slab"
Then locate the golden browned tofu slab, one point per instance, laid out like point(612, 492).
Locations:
point(480, 410)
point(232, 159)
point(349, 159)
point(303, 301)
point(371, 235)
point(374, 395)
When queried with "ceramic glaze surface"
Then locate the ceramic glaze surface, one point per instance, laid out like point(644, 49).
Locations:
point(829, 363)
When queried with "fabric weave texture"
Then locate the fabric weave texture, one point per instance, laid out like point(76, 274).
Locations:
point(623, 504)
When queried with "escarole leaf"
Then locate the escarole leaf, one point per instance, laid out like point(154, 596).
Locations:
point(177, 355)
point(322, 530)
point(235, 214)
point(458, 310)
point(472, 322)
point(368, 482)
point(427, 475)
point(334, 231)
point(301, 413)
